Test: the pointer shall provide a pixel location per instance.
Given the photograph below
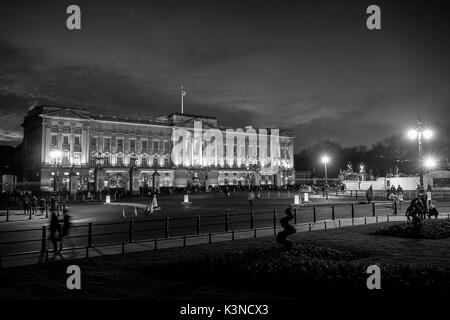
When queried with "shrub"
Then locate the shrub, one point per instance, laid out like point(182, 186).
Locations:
point(425, 229)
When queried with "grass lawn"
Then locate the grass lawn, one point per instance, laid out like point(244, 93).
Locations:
point(170, 274)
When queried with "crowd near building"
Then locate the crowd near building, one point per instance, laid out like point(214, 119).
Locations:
point(73, 150)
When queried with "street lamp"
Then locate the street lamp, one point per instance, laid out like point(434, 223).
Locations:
point(325, 159)
point(99, 161)
point(430, 162)
point(419, 133)
point(55, 155)
point(133, 159)
point(155, 173)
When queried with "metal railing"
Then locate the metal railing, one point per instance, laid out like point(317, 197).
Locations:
point(34, 241)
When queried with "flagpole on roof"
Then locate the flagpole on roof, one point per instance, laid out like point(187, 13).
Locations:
point(182, 99)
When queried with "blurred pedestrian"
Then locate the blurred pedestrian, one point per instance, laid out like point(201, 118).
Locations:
point(65, 228)
point(369, 194)
point(55, 228)
point(251, 198)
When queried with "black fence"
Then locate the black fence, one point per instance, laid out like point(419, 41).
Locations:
point(34, 241)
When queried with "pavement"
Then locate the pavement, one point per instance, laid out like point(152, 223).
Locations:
point(182, 241)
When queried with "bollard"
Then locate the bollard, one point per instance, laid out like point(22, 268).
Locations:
point(184, 241)
point(46, 210)
point(232, 235)
point(314, 214)
point(295, 215)
point(326, 194)
point(325, 225)
point(156, 244)
point(29, 218)
point(395, 208)
point(387, 218)
point(309, 226)
point(7, 213)
point(167, 228)
point(46, 256)
point(252, 219)
point(198, 224)
point(130, 232)
point(209, 238)
point(356, 194)
point(227, 222)
point(353, 211)
point(43, 239)
point(339, 223)
point(87, 252)
point(373, 209)
point(254, 233)
point(376, 219)
point(365, 220)
point(90, 235)
point(332, 212)
point(274, 222)
point(123, 248)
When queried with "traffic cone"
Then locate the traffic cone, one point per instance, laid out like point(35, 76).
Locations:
point(123, 213)
point(135, 211)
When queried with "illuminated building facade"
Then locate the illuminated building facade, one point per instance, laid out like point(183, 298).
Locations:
point(67, 149)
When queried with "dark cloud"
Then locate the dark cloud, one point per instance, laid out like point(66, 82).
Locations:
point(311, 66)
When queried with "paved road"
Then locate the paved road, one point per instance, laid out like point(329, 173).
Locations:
point(206, 213)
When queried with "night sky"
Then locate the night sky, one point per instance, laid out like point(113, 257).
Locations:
point(311, 66)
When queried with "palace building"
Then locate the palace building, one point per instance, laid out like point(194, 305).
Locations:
point(71, 149)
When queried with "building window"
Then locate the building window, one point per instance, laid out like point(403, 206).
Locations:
point(107, 144)
point(120, 161)
point(94, 144)
point(155, 147)
point(54, 141)
point(144, 146)
point(119, 145)
point(155, 161)
point(166, 162)
point(166, 146)
point(107, 161)
point(65, 145)
point(132, 145)
point(144, 162)
point(77, 140)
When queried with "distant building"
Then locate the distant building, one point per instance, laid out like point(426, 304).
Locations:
point(98, 152)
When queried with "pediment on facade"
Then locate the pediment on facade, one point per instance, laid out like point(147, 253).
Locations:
point(67, 113)
point(190, 124)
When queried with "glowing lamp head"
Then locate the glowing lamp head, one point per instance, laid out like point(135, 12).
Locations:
point(430, 163)
point(412, 134)
point(427, 134)
point(325, 159)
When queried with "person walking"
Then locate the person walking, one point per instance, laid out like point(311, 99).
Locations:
point(251, 198)
point(55, 227)
point(65, 229)
point(369, 194)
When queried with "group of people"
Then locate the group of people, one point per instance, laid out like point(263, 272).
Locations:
point(58, 230)
point(421, 207)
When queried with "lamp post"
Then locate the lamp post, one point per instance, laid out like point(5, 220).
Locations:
point(133, 159)
point(99, 161)
point(155, 172)
point(56, 156)
point(325, 159)
point(420, 133)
